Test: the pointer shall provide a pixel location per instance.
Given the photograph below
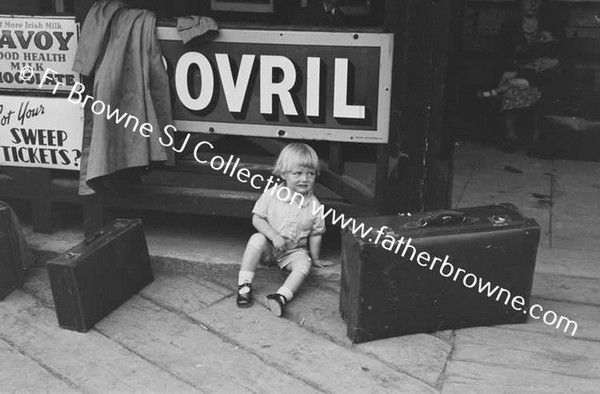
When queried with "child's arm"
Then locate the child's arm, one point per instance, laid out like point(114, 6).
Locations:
point(314, 249)
point(268, 231)
point(314, 246)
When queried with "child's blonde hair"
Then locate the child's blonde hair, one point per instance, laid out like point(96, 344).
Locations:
point(296, 154)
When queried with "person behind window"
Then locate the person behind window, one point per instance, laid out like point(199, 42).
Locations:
point(321, 13)
point(532, 58)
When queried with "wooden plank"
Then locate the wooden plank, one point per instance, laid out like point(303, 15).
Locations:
point(585, 211)
point(321, 362)
point(184, 200)
point(184, 348)
point(422, 356)
point(184, 293)
point(194, 354)
point(568, 262)
point(318, 363)
point(481, 377)
point(90, 361)
point(566, 289)
point(586, 316)
point(576, 235)
point(550, 353)
point(19, 373)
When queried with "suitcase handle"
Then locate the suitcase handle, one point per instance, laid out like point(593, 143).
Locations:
point(440, 218)
point(93, 237)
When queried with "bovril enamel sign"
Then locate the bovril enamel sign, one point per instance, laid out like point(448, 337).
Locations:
point(293, 84)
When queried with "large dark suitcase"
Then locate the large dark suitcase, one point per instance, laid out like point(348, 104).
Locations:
point(385, 293)
point(101, 273)
point(13, 253)
point(569, 138)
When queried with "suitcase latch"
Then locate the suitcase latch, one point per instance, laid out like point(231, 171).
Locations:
point(500, 220)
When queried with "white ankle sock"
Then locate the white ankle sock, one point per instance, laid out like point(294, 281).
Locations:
point(287, 293)
point(245, 276)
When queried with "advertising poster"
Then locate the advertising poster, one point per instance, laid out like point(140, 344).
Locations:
point(40, 132)
point(290, 84)
point(39, 43)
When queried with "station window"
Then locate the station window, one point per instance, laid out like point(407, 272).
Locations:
point(269, 12)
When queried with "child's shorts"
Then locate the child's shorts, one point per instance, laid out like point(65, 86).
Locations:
point(270, 255)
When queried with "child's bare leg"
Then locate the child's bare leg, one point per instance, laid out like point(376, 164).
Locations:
point(257, 247)
point(517, 83)
point(300, 268)
point(255, 250)
point(506, 82)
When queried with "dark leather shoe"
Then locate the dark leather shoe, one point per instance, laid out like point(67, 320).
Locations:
point(276, 303)
point(245, 300)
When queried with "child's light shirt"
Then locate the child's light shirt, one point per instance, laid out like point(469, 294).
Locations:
point(292, 221)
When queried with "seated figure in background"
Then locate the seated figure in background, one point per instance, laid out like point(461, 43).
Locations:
point(532, 58)
point(321, 13)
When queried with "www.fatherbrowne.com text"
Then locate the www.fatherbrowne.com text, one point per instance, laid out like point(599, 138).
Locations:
point(230, 167)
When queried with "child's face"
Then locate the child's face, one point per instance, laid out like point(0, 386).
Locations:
point(300, 179)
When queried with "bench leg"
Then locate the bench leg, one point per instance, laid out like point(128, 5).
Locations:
point(94, 213)
point(41, 203)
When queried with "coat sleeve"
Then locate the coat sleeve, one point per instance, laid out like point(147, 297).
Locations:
point(94, 35)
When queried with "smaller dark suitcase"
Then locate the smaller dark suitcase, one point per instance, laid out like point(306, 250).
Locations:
point(95, 277)
point(12, 254)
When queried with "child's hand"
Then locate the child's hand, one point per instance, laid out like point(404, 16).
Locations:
point(279, 243)
point(322, 263)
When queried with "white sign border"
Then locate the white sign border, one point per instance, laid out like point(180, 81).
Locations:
point(384, 41)
point(47, 89)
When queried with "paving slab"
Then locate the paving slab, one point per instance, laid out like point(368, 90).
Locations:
point(553, 354)
point(568, 262)
point(566, 288)
point(576, 235)
point(577, 206)
point(317, 309)
point(583, 175)
point(481, 377)
point(176, 344)
point(90, 362)
point(422, 356)
point(296, 349)
point(192, 353)
point(19, 373)
point(330, 366)
point(186, 293)
point(587, 318)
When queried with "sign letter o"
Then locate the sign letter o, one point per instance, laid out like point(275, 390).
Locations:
point(207, 81)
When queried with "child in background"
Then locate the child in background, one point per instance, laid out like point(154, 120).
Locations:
point(289, 232)
point(510, 79)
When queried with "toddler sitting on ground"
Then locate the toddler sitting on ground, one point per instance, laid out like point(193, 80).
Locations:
point(289, 227)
